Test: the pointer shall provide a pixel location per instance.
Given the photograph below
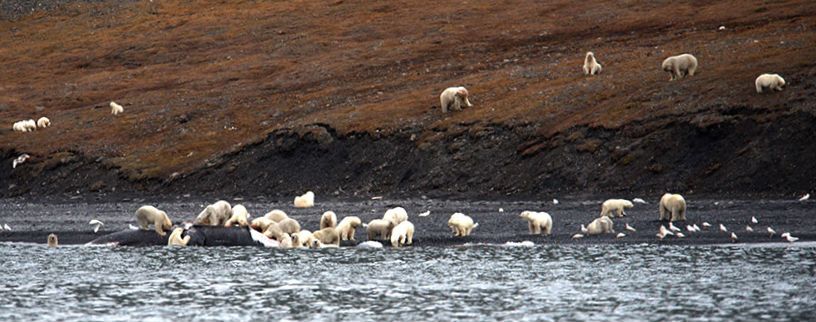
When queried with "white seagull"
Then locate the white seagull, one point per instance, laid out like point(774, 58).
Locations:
point(425, 214)
point(555, 201)
point(733, 237)
point(630, 228)
point(6, 227)
point(805, 197)
point(723, 229)
point(638, 200)
point(577, 236)
point(96, 224)
point(672, 227)
point(791, 239)
point(620, 235)
point(132, 227)
point(584, 229)
point(754, 220)
point(749, 229)
point(690, 228)
point(706, 225)
point(771, 231)
point(501, 209)
point(19, 160)
point(680, 235)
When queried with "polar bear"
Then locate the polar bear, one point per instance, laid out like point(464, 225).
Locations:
point(602, 225)
point(328, 219)
point(289, 226)
point(673, 204)
point(461, 225)
point(454, 97)
point(240, 217)
point(615, 205)
point(538, 221)
point(273, 231)
point(53, 241)
point(348, 227)
point(175, 238)
point(285, 241)
point(276, 215)
point(302, 238)
point(305, 201)
point(402, 234)
point(147, 215)
point(379, 229)
point(261, 223)
point(326, 236)
point(30, 125)
point(396, 215)
point(591, 66)
point(43, 122)
point(214, 215)
point(116, 108)
point(18, 126)
point(770, 81)
point(679, 66)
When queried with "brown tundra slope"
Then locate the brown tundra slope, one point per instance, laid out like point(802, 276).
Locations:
point(341, 97)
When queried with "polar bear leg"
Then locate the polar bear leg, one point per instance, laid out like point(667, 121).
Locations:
point(548, 229)
point(457, 103)
point(158, 226)
point(758, 87)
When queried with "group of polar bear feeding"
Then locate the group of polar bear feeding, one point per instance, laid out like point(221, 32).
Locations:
point(678, 67)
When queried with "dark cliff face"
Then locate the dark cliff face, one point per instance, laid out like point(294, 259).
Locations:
point(342, 98)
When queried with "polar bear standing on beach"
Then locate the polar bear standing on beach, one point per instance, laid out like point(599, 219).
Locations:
point(454, 97)
point(175, 238)
point(302, 238)
point(348, 227)
point(461, 225)
point(674, 205)
point(396, 215)
point(402, 234)
point(214, 215)
point(328, 219)
point(770, 81)
point(326, 236)
point(147, 215)
point(538, 221)
point(379, 229)
point(615, 205)
point(240, 217)
point(602, 225)
point(53, 241)
point(591, 66)
point(679, 66)
point(305, 201)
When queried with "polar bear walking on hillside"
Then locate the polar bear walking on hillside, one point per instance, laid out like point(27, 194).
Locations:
point(591, 66)
point(769, 81)
point(116, 108)
point(672, 205)
point(679, 66)
point(615, 206)
point(538, 221)
point(455, 98)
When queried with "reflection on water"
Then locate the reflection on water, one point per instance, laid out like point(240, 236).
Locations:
point(547, 282)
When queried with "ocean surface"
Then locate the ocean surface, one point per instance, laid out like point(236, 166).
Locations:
point(471, 282)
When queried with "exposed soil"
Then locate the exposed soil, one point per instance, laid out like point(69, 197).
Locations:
point(246, 98)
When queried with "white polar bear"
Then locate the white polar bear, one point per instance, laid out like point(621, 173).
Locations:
point(454, 97)
point(402, 234)
point(674, 205)
point(348, 227)
point(326, 236)
point(147, 215)
point(215, 215)
point(770, 81)
point(679, 66)
point(538, 221)
point(602, 225)
point(116, 108)
point(261, 223)
point(240, 217)
point(591, 66)
point(615, 205)
point(289, 226)
point(461, 225)
point(302, 239)
point(379, 229)
point(43, 122)
point(18, 126)
point(285, 241)
point(396, 215)
point(276, 215)
point(305, 201)
point(175, 238)
point(30, 125)
point(328, 219)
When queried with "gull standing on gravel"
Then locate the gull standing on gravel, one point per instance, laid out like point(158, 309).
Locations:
point(638, 200)
point(789, 238)
point(6, 227)
point(680, 235)
point(577, 236)
point(96, 224)
point(805, 197)
point(672, 227)
point(555, 201)
point(620, 235)
point(771, 231)
point(706, 225)
point(749, 229)
point(734, 237)
point(630, 228)
point(723, 229)
point(754, 220)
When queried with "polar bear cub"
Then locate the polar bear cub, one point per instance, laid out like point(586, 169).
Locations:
point(602, 225)
point(302, 239)
point(379, 229)
point(674, 205)
point(402, 234)
point(147, 215)
point(455, 98)
point(328, 219)
point(396, 215)
point(679, 66)
point(615, 205)
point(305, 201)
point(116, 108)
point(591, 66)
point(348, 227)
point(214, 215)
point(461, 225)
point(175, 238)
point(43, 122)
point(240, 217)
point(770, 81)
point(538, 221)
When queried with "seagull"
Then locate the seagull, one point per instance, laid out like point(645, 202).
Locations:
point(680, 235)
point(785, 235)
point(754, 220)
point(133, 227)
point(376, 198)
point(620, 235)
point(584, 229)
point(672, 227)
point(690, 228)
point(577, 236)
point(630, 228)
point(805, 197)
point(663, 232)
point(6, 227)
point(425, 214)
point(749, 229)
point(791, 239)
point(733, 237)
point(723, 229)
point(771, 231)
point(696, 228)
point(706, 225)
point(97, 224)
point(501, 209)
point(638, 200)
point(19, 160)
point(555, 201)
